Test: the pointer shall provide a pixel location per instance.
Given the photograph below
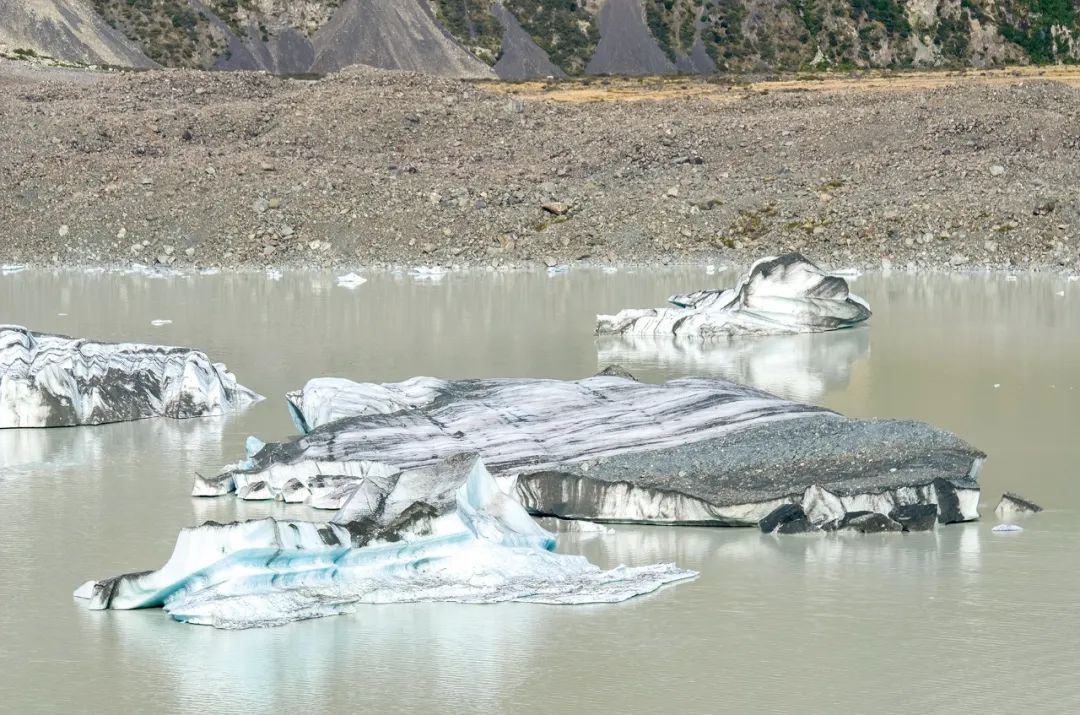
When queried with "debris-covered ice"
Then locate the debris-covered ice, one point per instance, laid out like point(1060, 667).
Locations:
point(788, 294)
point(609, 448)
point(53, 380)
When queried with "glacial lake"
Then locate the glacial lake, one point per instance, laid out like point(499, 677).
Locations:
point(960, 619)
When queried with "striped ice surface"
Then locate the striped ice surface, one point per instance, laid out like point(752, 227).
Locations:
point(53, 381)
point(443, 533)
point(785, 294)
point(609, 448)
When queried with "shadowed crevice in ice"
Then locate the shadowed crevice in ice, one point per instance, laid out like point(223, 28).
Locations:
point(609, 448)
point(444, 533)
point(57, 381)
point(786, 294)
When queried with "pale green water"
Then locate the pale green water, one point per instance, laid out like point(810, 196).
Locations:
point(957, 620)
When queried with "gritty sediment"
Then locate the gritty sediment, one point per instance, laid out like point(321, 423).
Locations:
point(368, 167)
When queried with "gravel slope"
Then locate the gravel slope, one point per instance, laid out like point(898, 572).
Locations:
point(369, 167)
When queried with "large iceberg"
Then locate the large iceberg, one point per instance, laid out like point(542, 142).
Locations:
point(441, 533)
point(609, 448)
point(57, 381)
point(785, 294)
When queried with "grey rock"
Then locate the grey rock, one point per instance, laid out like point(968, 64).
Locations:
point(915, 517)
point(786, 519)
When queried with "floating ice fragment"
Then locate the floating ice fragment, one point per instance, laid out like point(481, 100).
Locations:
point(561, 268)
point(788, 294)
point(1006, 528)
point(846, 273)
point(273, 274)
point(158, 322)
point(351, 281)
point(684, 452)
point(444, 533)
point(432, 273)
point(53, 380)
point(9, 268)
point(1013, 506)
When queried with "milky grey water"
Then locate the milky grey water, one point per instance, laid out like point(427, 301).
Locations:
point(960, 619)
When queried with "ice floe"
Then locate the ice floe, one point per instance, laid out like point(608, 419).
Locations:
point(430, 273)
point(786, 294)
point(53, 380)
point(609, 448)
point(443, 533)
point(351, 281)
point(1014, 506)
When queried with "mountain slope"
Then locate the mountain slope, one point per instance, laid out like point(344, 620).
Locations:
point(520, 56)
point(626, 45)
point(521, 39)
point(392, 34)
point(67, 30)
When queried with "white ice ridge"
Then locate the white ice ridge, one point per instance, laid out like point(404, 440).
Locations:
point(53, 380)
point(785, 294)
point(523, 419)
point(609, 448)
point(444, 533)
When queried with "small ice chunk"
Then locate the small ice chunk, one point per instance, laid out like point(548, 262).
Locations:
point(253, 445)
point(351, 281)
point(9, 268)
point(86, 591)
point(273, 274)
point(562, 268)
point(1006, 528)
point(158, 322)
point(1013, 506)
point(846, 273)
point(431, 273)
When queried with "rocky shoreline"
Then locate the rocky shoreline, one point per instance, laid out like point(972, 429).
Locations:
point(194, 170)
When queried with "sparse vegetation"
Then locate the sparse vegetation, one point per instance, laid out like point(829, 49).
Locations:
point(563, 28)
point(472, 23)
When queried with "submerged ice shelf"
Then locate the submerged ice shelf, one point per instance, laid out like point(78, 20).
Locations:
point(785, 294)
point(53, 381)
point(608, 448)
point(441, 533)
